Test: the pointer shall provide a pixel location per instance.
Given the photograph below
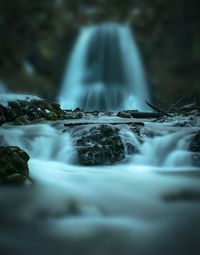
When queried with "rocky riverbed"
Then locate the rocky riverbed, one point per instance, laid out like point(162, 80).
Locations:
point(99, 138)
point(95, 179)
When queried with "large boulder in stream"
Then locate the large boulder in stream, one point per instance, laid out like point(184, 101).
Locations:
point(13, 165)
point(101, 146)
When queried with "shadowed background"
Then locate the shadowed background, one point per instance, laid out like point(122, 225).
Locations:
point(37, 38)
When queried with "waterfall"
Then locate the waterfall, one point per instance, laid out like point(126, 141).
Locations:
point(105, 71)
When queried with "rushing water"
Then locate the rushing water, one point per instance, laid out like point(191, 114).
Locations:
point(98, 210)
point(105, 71)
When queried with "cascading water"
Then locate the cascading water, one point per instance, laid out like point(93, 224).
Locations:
point(105, 71)
point(164, 150)
point(72, 207)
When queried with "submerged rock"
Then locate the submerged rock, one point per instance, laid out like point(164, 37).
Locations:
point(102, 145)
point(13, 165)
point(186, 195)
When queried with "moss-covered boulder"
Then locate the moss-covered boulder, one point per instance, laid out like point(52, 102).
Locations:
point(102, 145)
point(13, 165)
point(23, 112)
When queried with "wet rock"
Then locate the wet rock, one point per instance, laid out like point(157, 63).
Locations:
point(77, 109)
point(13, 165)
point(102, 145)
point(95, 113)
point(23, 112)
point(194, 145)
point(22, 120)
point(132, 148)
point(136, 130)
point(195, 157)
point(74, 115)
point(2, 116)
point(15, 179)
point(188, 109)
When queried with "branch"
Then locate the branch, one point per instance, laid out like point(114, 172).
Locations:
point(158, 110)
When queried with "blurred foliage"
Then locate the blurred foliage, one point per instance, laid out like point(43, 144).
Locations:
point(42, 33)
point(22, 23)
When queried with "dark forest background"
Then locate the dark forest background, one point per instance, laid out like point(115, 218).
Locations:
point(36, 37)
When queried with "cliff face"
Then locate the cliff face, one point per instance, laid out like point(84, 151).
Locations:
point(36, 40)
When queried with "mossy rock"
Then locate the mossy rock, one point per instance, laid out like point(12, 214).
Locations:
point(13, 164)
point(22, 120)
point(74, 115)
point(24, 112)
point(101, 146)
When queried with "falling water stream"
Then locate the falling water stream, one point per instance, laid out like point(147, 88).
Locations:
point(105, 71)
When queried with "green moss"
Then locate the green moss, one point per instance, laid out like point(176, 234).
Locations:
point(22, 120)
point(52, 116)
point(13, 160)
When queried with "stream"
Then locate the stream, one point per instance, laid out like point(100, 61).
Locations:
point(134, 206)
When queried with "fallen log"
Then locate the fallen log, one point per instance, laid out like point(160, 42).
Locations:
point(104, 122)
point(146, 115)
point(158, 110)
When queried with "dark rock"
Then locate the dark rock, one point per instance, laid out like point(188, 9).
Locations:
point(186, 195)
point(96, 113)
point(22, 120)
point(74, 115)
point(132, 148)
point(136, 130)
point(195, 159)
point(15, 179)
point(103, 145)
point(13, 165)
point(24, 112)
point(2, 115)
point(77, 109)
point(194, 145)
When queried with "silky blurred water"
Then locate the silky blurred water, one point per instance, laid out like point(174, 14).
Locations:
point(119, 209)
point(105, 71)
